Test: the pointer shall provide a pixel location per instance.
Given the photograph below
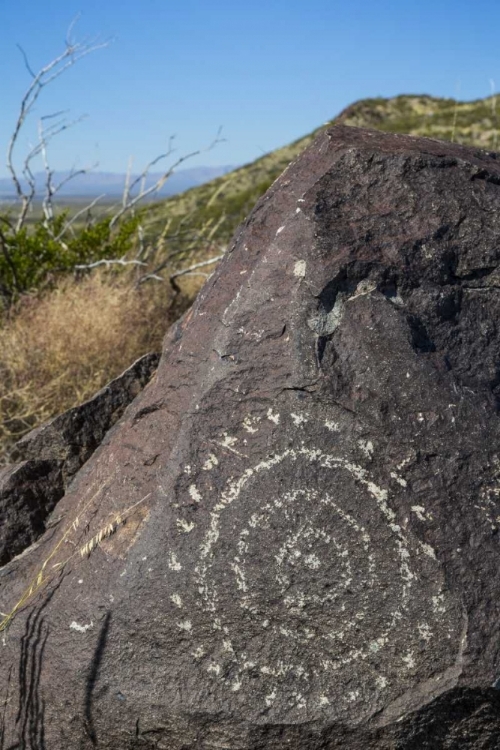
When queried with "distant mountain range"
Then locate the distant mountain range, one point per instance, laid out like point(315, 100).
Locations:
point(93, 184)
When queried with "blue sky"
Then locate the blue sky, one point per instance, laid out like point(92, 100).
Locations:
point(268, 72)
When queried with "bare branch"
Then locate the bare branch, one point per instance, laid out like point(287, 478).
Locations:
point(26, 61)
point(76, 216)
point(44, 136)
point(195, 266)
point(126, 188)
point(72, 52)
point(143, 193)
point(68, 40)
point(170, 150)
point(108, 263)
point(47, 205)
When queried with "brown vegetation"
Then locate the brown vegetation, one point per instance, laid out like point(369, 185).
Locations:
point(58, 349)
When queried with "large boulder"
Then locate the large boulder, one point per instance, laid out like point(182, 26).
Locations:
point(291, 537)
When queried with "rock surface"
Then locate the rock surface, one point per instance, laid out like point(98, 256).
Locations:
point(49, 456)
point(73, 436)
point(291, 537)
point(28, 493)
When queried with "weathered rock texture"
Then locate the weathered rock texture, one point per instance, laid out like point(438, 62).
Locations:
point(305, 502)
point(49, 457)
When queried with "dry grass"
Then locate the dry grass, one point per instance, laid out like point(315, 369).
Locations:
point(46, 574)
point(59, 349)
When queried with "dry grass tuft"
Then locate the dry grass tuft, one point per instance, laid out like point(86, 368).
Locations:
point(45, 575)
point(58, 349)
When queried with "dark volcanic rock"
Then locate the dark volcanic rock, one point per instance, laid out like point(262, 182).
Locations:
point(73, 436)
point(291, 539)
point(50, 456)
point(28, 492)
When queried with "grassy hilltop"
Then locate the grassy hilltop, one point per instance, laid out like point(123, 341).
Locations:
point(224, 202)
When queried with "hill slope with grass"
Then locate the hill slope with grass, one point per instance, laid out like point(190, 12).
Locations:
point(217, 207)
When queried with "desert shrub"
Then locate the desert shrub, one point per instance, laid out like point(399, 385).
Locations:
point(60, 347)
point(35, 256)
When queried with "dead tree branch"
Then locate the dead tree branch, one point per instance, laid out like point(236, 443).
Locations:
point(72, 53)
point(76, 216)
point(128, 203)
point(108, 263)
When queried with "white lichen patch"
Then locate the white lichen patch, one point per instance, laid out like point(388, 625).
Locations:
point(300, 701)
point(270, 698)
point(185, 526)
point(409, 660)
point(185, 625)
point(228, 441)
point(428, 550)
point(299, 269)
point(273, 417)
point(81, 628)
point(279, 230)
point(377, 644)
point(199, 652)
point(187, 470)
point(425, 631)
point(249, 424)
point(214, 668)
point(421, 513)
point(405, 462)
point(402, 482)
point(312, 561)
point(298, 419)
point(173, 562)
point(323, 700)
point(240, 577)
point(177, 600)
point(332, 426)
point(366, 447)
point(363, 288)
point(194, 493)
point(211, 462)
point(438, 604)
point(381, 682)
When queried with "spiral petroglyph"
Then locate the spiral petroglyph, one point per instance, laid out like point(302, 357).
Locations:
point(310, 555)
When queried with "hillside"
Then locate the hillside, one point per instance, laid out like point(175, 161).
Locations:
point(216, 208)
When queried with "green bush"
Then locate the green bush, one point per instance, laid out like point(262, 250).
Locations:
point(35, 256)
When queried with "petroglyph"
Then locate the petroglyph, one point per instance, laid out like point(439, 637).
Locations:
point(299, 269)
point(315, 557)
point(81, 628)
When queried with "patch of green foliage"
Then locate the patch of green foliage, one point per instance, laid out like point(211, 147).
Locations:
point(36, 256)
